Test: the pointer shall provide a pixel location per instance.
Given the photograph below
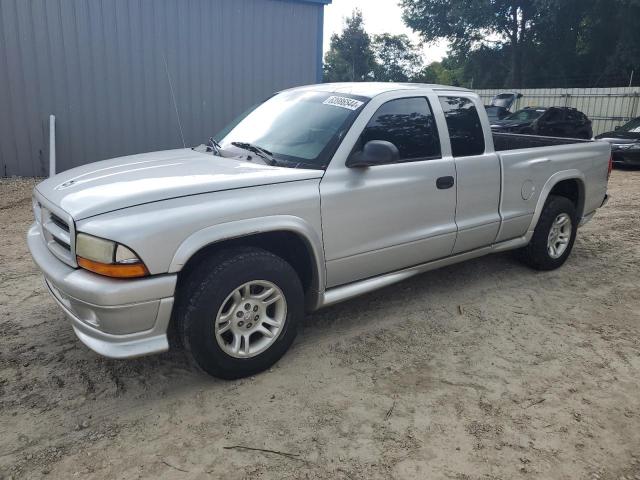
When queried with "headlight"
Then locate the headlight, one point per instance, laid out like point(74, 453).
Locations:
point(108, 258)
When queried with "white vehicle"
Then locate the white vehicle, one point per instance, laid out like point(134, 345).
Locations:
point(319, 194)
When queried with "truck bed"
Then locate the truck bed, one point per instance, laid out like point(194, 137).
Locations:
point(512, 141)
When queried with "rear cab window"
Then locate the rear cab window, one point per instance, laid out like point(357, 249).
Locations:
point(409, 124)
point(465, 130)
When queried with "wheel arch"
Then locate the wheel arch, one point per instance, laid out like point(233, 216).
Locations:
point(567, 183)
point(291, 238)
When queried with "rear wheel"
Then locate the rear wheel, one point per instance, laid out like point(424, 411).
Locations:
point(238, 312)
point(553, 236)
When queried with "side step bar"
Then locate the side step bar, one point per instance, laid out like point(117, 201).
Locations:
point(345, 292)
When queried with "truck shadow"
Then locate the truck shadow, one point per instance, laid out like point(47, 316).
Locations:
point(76, 374)
point(54, 376)
point(349, 316)
point(446, 282)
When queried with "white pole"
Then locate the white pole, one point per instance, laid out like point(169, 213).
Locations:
point(52, 145)
point(631, 79)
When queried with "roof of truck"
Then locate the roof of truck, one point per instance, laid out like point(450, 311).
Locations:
point(372, 89)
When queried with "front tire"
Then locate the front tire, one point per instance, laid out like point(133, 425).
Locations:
point(238, 312)
point(553, 237)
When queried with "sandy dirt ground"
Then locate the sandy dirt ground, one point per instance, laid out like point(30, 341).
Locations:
point(484, 370)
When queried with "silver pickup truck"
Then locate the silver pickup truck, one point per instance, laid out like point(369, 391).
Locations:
point(319, 194)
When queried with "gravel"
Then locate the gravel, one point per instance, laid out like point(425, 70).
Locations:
point(483, 370)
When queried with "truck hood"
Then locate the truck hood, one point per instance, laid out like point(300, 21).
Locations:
point(620, 137)
point(109, 185)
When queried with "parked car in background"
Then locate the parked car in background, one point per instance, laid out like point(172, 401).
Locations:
point(496, 113)
point(625, 143)
point(562, 122)
point(320, 194)
point(501, 104)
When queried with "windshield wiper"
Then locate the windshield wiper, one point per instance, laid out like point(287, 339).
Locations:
point(214, 146)
point(266, 155)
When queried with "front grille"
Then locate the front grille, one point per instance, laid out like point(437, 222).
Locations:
point(63, 244)
point(59, 222)
point(58, 231)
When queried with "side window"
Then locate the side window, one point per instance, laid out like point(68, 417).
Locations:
point(408, 123)
point(575, 116)
point(571, 116)
point(553, 115)
point(465, 129)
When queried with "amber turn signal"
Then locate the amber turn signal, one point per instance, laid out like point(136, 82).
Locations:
point(114, 270)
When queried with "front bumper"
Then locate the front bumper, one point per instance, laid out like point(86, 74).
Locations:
point(115, 318)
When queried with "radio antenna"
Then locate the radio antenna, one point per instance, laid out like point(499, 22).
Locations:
point(173, 96)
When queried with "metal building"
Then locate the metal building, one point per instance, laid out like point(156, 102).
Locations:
point(109, 71)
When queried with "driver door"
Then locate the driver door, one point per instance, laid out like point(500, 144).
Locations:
point(387, 217)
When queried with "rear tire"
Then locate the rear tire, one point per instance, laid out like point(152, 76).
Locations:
point(553, 237)
point(226, 338)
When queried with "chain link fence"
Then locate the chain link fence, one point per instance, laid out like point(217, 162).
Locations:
point(606, 107)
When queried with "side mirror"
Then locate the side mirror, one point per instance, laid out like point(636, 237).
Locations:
point(375, 152)
point(617, 128)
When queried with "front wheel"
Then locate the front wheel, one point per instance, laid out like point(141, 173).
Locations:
point(553, 236)
point(238, 312)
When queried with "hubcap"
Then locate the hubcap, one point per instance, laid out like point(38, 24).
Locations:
point(250, 319)
point(559, 236)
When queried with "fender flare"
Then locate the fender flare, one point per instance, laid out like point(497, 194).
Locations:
point(252, 226)
point(556, 178)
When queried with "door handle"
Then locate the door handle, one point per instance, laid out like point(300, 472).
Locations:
point(444, 182)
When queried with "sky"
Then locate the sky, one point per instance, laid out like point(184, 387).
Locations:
point(380, 16)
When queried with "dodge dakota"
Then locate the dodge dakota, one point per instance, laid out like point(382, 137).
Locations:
point(317, 195)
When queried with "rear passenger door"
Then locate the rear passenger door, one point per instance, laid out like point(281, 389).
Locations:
point(552, 123)
point(477, 169)
point(387, 217)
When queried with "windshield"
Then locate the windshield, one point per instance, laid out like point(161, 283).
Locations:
point(494, 112)
point(525, 115)
point(633, 126)
point(296, 127)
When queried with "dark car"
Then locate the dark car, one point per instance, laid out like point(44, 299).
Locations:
point(625, 143)
point(500, 105)
point(496, 113)
point(546, 121)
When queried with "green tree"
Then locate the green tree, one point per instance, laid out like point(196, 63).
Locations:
point(566, 43)
point(397, 58)
point(609, 42)
point(506, 24)
point(445, 72)
point(350, 57)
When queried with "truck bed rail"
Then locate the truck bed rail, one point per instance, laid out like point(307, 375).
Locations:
point(512, 141)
